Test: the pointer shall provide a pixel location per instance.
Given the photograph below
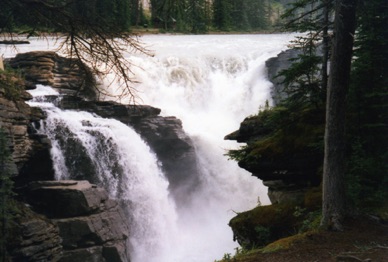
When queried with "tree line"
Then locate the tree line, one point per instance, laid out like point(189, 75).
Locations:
point(190, 16)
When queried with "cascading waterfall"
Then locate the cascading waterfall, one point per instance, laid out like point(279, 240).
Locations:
point(211, 83)
point(118, 159)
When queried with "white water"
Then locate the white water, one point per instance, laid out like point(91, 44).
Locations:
point(211, 83)
point(123, 163)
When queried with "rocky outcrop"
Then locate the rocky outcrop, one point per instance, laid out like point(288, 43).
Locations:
point(92, 226)
point(274, 66)
point(287, 163)
point(286, 159)
point(70, 76)
point(16, 119)
point(31, 236)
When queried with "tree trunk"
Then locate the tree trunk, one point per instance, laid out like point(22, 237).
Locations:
point(334, 205)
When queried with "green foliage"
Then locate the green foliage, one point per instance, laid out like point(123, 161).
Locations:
point(241, 15)
point(225, 15)
point(302, 80)
point(183, 16)
point(306, 79)
point(309, 220)
point(305, 15)
point(263, 234)
point(111, 15)
point(262, 225)
point(188, 16)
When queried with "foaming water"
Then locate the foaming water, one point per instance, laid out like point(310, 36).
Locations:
point(115, 157)
point(211, 83)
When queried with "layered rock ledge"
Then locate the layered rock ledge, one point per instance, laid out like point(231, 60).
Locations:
point(92, 226)
point(69, 76)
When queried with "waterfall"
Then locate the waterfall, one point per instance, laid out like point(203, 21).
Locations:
point(211, 83)
point(114, 156)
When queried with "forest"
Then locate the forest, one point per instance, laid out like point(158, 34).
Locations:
point(198, 16)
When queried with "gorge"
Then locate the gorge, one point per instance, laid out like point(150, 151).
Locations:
point(178, 206)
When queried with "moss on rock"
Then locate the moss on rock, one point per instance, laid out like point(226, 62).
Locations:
point(263, 224)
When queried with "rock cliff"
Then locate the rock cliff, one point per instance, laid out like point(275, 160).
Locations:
point(288, 162)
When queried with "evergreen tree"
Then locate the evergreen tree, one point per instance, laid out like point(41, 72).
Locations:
point(222, 10)
point(196, 16)
point(306, 79)
point(368, 101)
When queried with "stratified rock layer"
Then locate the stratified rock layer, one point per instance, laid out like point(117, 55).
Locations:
point(48, 68)
point(16, 118)
point(92, 226)
point(33, 238)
